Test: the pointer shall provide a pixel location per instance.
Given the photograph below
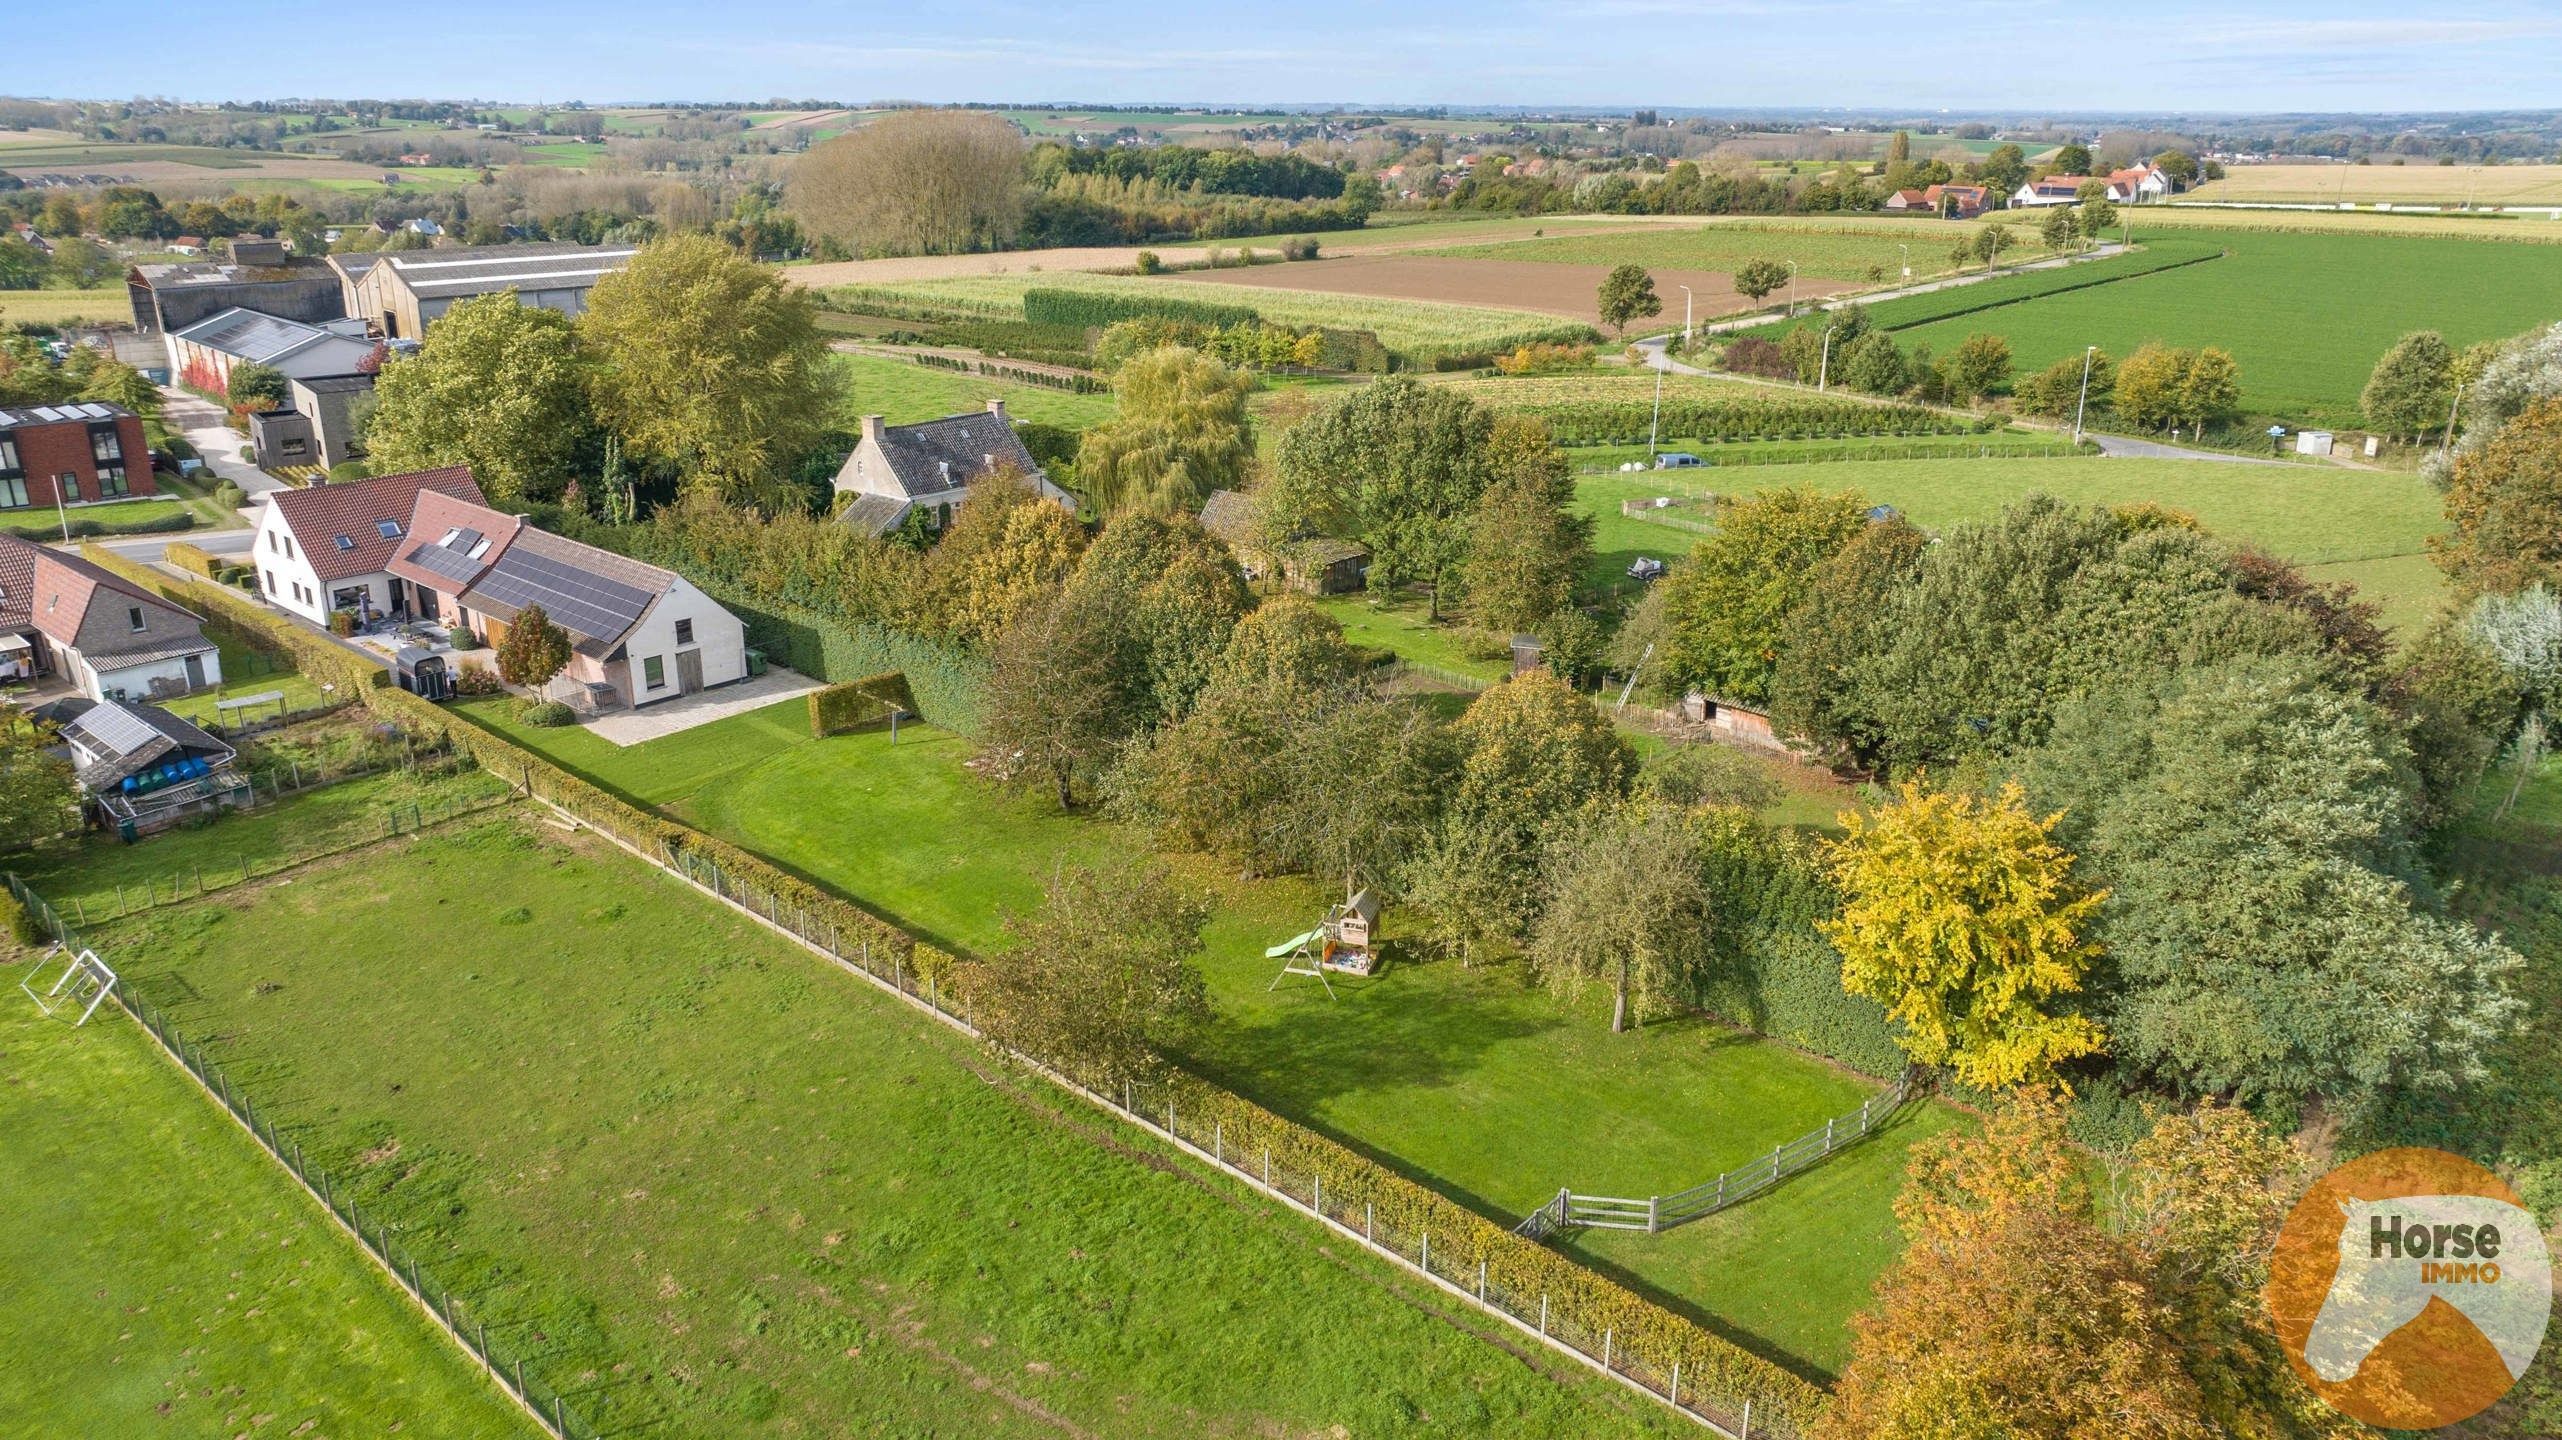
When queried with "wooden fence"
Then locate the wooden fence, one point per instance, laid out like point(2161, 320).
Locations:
point(1657, 1213)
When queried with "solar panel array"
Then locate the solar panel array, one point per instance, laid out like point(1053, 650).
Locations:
point(115, 727)
point(585, 604)
point(452, 565)
point(55, 414)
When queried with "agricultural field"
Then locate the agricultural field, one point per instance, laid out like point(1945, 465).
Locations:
point(2448, 185)
point(1413, 328)
point(1457, 1076)
point(167, 1277)
point(2305, 315)
point(1839, 250)
point(2479, 225)
point(907, 392)
point(107, 305)
point(1567, 291)
point(767, 1198)
point(2367, 526)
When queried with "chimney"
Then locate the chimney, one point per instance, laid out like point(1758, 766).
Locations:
point(997, 409)
point(872, 427)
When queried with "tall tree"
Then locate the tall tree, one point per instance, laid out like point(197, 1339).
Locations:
point(1163, 596)
point(1960, 916)
point(1052, 711)
point(1624, 905)
point(501, 389)
point(1978, 366)
point(1397, 467)
point(533, 650)
point(1531, 753)
point(1526, 551)
point(37, 798)
point(2409, 393)
point(1627, 293)
point(917, 182)
point(710, 365)
point(1007, 547)
point(1727, 603)
point(1180, 431)
point(1755, 279)
point(1099, 982)
point(2504, 502)
point(1842, 618)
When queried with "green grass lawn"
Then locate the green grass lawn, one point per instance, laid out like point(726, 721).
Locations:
point(907, 392)
point(1606, 459)
point(737, 1192)
point(1491, 1092)
point(65, 307)
point(246, 672)
point(165, 1277)
point(1825, 249)
point(92, 877)
point(2373, 524)
point(1404, 625)
point(2305, 315)
point(47, 523)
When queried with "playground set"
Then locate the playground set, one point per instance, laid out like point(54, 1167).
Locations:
point(1342, 942)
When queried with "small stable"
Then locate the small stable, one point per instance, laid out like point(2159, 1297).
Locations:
point(1342, 942)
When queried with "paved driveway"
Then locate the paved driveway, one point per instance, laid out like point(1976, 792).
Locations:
point(671, 717)
point(202, 423)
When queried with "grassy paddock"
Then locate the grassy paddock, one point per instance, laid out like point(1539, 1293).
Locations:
point(65, 307)
point(165, 1277)
point(907, 392)
point(1468, 1080)
point(2305, 315)
point(1832, 250)
point(733, 1190)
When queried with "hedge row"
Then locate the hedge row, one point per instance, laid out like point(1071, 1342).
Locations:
point(945, 683)
point(1095, 308)
point(1751, 417)
point(47, 527)
point(850, 705)
point(193, 558)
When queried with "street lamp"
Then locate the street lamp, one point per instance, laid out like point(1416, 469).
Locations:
point(2089, 353)
point(1685, 317)
point(1908, 259)
point(1792, 287)
point(1824, 367)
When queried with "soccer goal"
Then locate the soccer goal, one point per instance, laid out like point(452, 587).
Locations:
point(85, 983)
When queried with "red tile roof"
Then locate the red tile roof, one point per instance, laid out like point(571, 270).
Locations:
point(49, 590)
point(438, 512)
point(319, 515)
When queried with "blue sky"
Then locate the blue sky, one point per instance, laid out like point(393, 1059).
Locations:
point(2343, 55)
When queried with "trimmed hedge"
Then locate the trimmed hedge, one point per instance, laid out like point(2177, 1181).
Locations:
point(194, 559)
point(87, 529)
point(1093, 308)
point(1753, 417)
point(1775, 974)
point(945, 682)
point(851, 705)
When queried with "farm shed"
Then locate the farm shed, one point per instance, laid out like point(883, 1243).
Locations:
point(145, 769)
point(403, 291)
point(259, 276)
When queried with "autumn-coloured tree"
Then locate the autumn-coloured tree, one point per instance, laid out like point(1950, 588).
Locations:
point(2505, 503)
point(1007, 546)
point(1960, 916)
point(533, 650)
point(1099, 981)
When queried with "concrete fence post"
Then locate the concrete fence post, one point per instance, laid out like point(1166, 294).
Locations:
point(1607, 1338)
point(1543, 1313)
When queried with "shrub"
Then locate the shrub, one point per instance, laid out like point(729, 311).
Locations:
point(1148, 262)
point(1753, 355)
point(544, 713)
point(230, 496)
point(463, 639)
point(194, 559)
point(476, 680)
point(852, 705)
point(342, 622)
point(1542, 356)
point(1299, 247)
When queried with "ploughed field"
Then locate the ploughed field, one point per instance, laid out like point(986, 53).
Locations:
point(1570, 290)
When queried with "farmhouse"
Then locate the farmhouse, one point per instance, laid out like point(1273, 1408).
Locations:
point(71, 455)
point(202, 355)
point(2139, 184)
point(929, 467)
point(258, 276)
point(329, 547)
point(1957, 202)
point(1903, 200)
point(2053, 190)
point(402, 292)
point(109, 639)
point(638, 634)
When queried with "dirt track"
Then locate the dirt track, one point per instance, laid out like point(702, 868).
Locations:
point(1568, 290)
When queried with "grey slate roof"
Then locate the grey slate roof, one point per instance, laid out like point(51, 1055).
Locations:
point(947, 454)
point(873, 514)
point(1229, 514)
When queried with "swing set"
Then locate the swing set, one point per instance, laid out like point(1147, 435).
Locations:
point(1341, 942)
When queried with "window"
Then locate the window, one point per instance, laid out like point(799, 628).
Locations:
point(684, 632)
point(266, 582)
point(133, 615)
point(390, 529)
point(654, 671)
point(111, 481)
point(276, 541)
point(13, 492)
point(343, 542)
point(67, 485)
point(289, 547)
point(8, 454)
point(105, 446)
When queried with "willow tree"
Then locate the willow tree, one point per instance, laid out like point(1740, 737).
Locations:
point(1181, 432)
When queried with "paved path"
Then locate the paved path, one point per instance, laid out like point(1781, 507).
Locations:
point(152, 549)
point(220, 445)
point(670, 717)
point(2125, 447)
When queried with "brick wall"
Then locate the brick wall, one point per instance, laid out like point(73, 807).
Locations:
point(46, 451)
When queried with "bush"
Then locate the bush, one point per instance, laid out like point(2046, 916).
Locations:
point(544, 713)
point(476, 680)
point(1299, 247)
point(851, 705)
point(1148, 262)
point(230, 496)
point(342, 622)
point(346, 470)
point(463, 639)
point(1753, 355)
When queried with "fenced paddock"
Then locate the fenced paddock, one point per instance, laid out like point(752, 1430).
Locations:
point(505, 1362)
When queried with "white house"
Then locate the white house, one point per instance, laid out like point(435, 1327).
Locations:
point(638, 634)
point(329, 547)
point(2053, 190)
point(110, 638)
point(929, 466)
point(2138, 184)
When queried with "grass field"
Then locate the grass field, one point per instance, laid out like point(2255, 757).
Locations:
point(907, 392)
point(1727, 454)
point(2305, 315)
point(1490, 1091)
point(1413, 328)
point(109, 154)
point(47, 524)
point(2369, 526)
point(738, 1192)
point(2479, 225)
point(2397, 184)
point(1837, 250)
point(166, 1278)
point(246, 672)
point(65, 307)
point(573, 153)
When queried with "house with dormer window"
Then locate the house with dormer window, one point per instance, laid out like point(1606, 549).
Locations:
point(899, 470)
point(329, 547)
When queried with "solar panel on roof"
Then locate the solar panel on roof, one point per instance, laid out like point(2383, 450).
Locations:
point(586, 604)
point(450, 564)
point(115, 728)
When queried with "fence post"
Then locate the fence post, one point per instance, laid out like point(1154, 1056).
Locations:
point(1267, 1167)
point(1543, 1313)
point(1675, 1397)
point(1316, 1194)
point(1607, 1337)
point(1654, 1214)
point(1427, 1252)
point(1481, 1280)
point(1369, 1222)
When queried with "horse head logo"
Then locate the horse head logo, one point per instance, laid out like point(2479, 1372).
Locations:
point(2481, 1255)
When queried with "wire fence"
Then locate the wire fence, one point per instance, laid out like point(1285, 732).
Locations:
point(1657, 1213)
point(510, 1361)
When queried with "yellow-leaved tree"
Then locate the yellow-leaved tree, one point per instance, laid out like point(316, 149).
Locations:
point(1960, 916)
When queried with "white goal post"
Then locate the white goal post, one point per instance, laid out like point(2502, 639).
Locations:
point(84, 977)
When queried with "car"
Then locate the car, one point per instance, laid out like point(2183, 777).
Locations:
point(1647, 568)
point(1678, 460)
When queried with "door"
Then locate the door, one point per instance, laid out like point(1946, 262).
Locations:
point(689, 671)
point(195, 672)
